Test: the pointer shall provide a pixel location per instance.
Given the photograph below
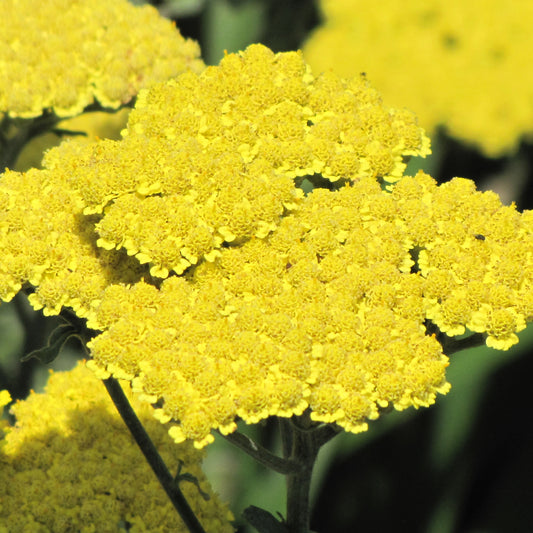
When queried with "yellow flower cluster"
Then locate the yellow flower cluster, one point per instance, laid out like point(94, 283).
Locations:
point(328, 312)
point(174, 190)
point(47, 243)
point(70, 464)
point(62, 54)
point(223, 292)
point(464, 65)
point(212, 158)
point(475, 255)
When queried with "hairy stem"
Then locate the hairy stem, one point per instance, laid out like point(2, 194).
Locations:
point(152, 455)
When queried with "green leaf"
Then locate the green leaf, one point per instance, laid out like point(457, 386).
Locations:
point(263, 521)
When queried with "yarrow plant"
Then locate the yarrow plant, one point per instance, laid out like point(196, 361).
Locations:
point(251, 248)
point(456, 63)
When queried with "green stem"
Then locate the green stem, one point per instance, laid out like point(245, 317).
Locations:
point(285, 428)
point(299, 484)
point(262, 455)
point(152, 455)
point(307, 439)
point(451, 345)
point(301, 440)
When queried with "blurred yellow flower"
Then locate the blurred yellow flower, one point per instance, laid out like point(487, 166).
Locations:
point(61, 55)
point(70, 464)
point(463, 65)
point(5, 398)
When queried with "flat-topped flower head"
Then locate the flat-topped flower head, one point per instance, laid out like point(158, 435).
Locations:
point(224, 293)
point(70, 464)
point(62, 55)
point(217, 157)
point(329, 312)
point(463, 65)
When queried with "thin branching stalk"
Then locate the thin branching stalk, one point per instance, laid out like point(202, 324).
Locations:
point(301, 440)
point(451, 345)
point(152, 455)
point(262, 455)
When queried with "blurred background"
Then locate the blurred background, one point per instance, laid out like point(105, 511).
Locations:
point(465, 464)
